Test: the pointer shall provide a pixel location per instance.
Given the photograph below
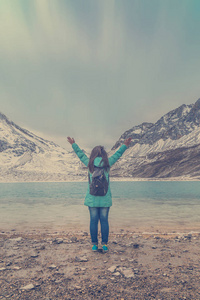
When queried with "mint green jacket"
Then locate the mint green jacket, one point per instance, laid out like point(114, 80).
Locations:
point(98, 201)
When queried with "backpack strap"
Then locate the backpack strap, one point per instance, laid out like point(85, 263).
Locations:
point(99, 168)
point(89, 177)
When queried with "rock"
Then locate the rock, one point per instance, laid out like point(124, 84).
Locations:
point(27, 287)
point(128, 273)
point(81, 259)
point(112, 269)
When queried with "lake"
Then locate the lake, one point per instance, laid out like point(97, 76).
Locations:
point(139, 206)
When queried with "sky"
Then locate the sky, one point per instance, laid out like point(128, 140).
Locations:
point(92, 69)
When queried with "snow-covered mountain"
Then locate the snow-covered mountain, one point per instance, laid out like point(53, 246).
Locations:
point(168, 148)
point(27, 157)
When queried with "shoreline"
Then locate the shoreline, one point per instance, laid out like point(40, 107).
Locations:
point(63, 266)
point(84, 230)
point(112, 179)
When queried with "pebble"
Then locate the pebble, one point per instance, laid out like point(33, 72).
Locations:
point(116, 274)
point(57, 241)
point(85, 233)
point(42, 247)
point(34, 255)
point(16, 268)
point(27, 287)
point(58, 281)
point(77, 287)
point(136, 245)
point(74, 239)
point(2, 269)
point(52, 267)
point(18, 239)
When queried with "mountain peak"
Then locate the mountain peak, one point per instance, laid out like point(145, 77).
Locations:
point(197, 104)
point(173, 125)
point(3, 117)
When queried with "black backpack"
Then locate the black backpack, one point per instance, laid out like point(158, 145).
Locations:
point(99, 183)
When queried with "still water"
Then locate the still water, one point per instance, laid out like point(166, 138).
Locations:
point(147, 206)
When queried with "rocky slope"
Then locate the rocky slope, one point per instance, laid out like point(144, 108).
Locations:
point(168, 148)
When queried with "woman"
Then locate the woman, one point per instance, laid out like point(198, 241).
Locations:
point(99, 205)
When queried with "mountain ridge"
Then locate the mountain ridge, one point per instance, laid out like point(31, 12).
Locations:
point(167, 148)
point(178, 129)
point(25, 156)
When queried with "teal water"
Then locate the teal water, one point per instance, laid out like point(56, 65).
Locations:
point(147, 206)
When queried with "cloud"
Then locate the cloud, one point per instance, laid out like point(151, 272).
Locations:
point(94, 69)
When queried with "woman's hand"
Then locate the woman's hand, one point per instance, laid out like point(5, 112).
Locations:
point(71, 140)
point(127, 141)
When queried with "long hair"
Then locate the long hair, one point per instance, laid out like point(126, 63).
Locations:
point(98, 151)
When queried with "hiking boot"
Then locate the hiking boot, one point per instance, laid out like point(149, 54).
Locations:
point(94, 248)
point(104, 248)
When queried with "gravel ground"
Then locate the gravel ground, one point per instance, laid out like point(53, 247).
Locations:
point(62, 266)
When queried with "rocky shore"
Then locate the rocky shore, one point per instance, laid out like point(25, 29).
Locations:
point(60, 265)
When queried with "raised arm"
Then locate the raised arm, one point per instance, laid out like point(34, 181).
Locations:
point(112, 160)
point(81, 155)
